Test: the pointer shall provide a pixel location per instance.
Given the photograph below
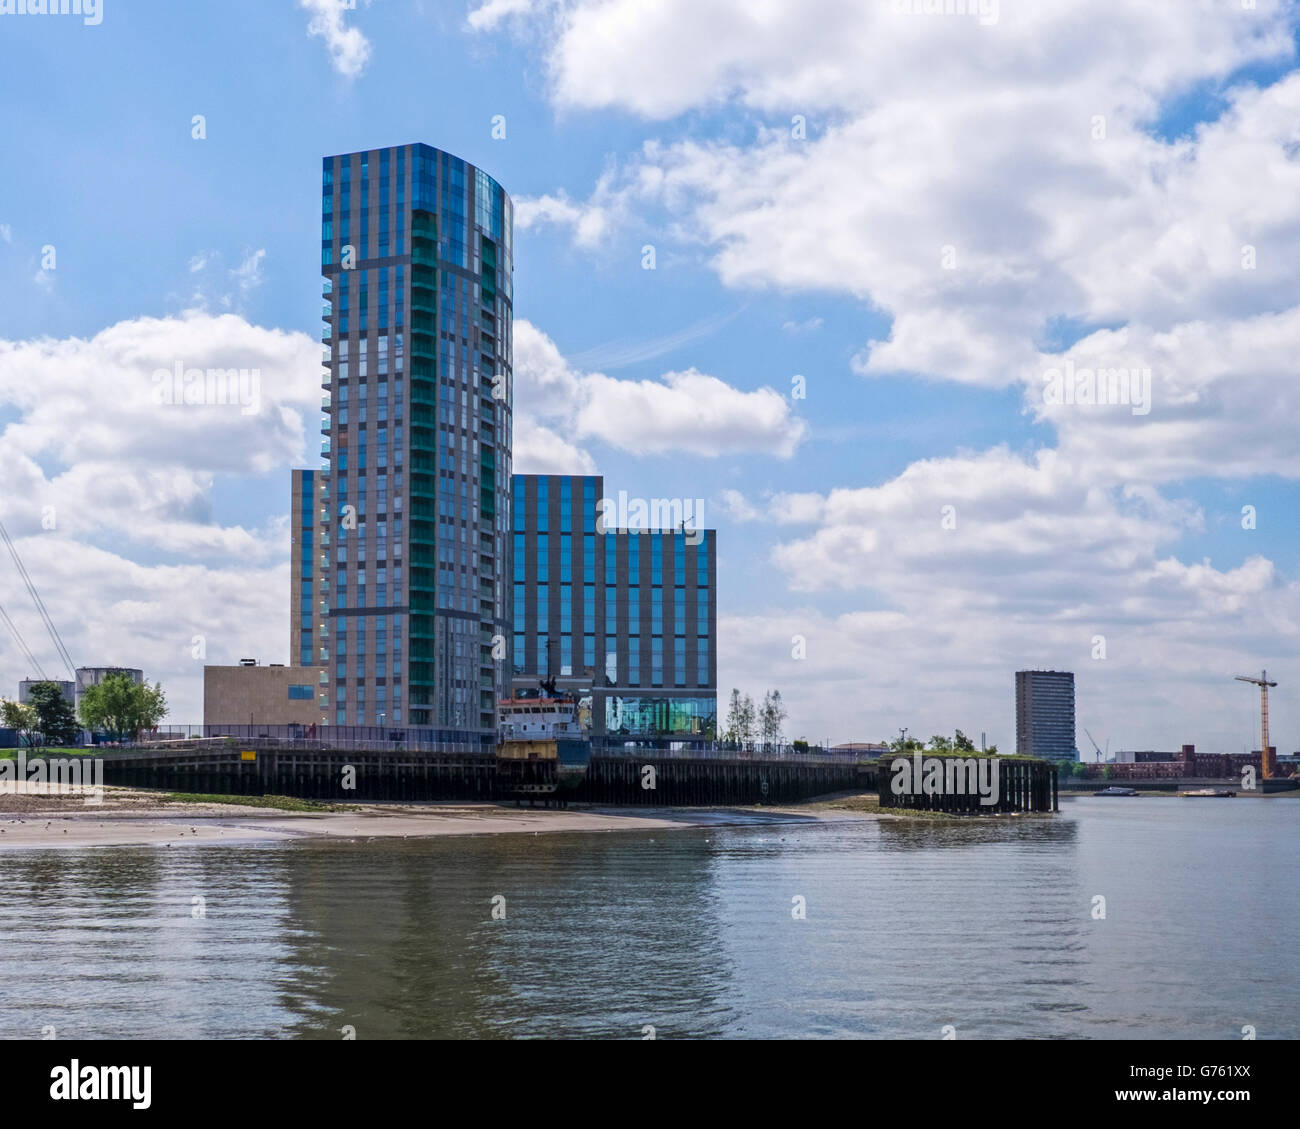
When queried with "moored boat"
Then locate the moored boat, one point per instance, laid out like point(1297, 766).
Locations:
point(544, 748)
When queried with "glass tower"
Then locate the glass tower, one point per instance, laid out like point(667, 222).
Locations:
point(625, 615)
point(413, 494)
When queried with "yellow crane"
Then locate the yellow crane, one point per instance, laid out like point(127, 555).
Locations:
point(1263, 683)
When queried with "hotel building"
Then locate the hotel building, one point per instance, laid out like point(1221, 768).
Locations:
point(628, 616)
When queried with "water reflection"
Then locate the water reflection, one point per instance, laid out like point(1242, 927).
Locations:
point(905, 927)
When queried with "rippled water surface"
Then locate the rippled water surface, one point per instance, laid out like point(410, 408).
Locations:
point(985, 925)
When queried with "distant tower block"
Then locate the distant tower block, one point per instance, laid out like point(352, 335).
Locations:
point(1045, 714)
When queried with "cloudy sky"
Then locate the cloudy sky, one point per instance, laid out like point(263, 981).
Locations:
point(878, 237)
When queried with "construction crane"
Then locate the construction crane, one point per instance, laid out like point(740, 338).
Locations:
point(1263, 683)
point(1094, 743)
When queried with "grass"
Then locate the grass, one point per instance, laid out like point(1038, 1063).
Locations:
point(277, 803)
point(52, 751)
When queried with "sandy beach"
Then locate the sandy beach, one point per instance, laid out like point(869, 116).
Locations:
point(133, 818)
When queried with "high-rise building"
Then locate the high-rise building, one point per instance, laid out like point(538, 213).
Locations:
point(411, 547)
point(1045, 714)
point(626, 615)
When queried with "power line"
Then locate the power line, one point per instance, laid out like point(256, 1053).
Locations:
point(22, 643)
point(40, 604)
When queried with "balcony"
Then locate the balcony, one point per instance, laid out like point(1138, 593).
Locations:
point(326, 403)
point(325, 449)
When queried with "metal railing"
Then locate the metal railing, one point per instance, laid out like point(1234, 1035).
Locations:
point(722, 750)
point(375, 738)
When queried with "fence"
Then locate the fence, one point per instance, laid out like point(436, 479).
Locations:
point(377, 738)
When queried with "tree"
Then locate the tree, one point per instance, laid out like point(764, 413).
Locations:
point(735, 707)
point(746, 722)
point(771, 717)
point(21, 718)
point(940, 744)
point(54, 714)
point(121, 708)
point(961, 743)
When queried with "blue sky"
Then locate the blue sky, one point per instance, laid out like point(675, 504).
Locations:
point(776, 257)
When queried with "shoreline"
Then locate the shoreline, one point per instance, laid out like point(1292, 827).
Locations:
point(129, 818)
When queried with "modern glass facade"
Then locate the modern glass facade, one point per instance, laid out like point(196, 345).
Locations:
point(629, 615)
point(305, 576)
point(1045, 714)
point(412, 550)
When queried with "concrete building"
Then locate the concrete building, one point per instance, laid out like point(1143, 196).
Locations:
point(1045, 715)
point(88, 676)
point(626, 615)
point(67, 689)
point(410, 560)
point(249, 694)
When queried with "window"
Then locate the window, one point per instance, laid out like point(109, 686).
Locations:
point(302, 694)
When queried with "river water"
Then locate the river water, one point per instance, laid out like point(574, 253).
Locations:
point(988, 927)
